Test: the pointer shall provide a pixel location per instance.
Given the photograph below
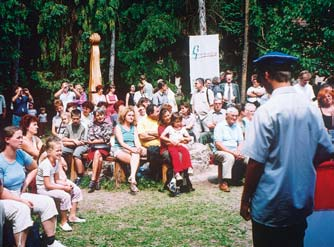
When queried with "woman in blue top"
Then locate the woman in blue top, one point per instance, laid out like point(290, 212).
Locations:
point(13, 163)
point(127, 146)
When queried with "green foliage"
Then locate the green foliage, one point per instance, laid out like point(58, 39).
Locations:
point(301, 28)
point(145, 45)
point(147, 35)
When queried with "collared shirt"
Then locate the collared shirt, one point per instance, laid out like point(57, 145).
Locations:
point(201, 101)
point(100, 131)
point(284, 136)
point(216, 117)
point(228, 92)
point(307, 90)
point(147, 124)
point(230, 135)
point(160, 98)
point(252, 89)
point(148, 90)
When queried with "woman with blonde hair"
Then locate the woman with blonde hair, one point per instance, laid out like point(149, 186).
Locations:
point(326, 105)
point(127, 147)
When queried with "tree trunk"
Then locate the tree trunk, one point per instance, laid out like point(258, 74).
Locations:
point(202, 17)
point(112, 58)
point(245, 54)
point(16, 63)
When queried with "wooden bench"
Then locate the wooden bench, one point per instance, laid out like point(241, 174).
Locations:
point(119, 173)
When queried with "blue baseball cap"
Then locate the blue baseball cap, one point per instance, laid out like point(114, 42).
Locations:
point(275, 61)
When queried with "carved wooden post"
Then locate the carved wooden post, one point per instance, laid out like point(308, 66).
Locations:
point(95, 77)
point(202, 17)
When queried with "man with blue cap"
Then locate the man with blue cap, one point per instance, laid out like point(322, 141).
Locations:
point(286, 135)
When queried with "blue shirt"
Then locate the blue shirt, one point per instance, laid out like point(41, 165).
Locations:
point(230, 136)
point(284, 136)
point(128, 136)
point(13, 174)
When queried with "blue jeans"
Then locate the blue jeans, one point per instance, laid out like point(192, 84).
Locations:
point(16, 120)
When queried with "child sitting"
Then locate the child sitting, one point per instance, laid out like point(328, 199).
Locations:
point(49, 183)
point(176, 136)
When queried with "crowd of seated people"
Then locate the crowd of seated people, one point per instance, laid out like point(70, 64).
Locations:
point(131, 130)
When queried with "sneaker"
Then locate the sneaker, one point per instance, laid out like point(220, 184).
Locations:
point(77, 220)
point(178, 176)
point(172, 185)
point(66, 227)
point(56, 244)
point(91, 186)
point(77, 181)
point(98, 185)
point(190, 171)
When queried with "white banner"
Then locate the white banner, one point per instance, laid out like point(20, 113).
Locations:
point(203, 57)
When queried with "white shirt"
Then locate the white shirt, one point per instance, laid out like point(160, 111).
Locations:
point(67, 98)
point(307, 90)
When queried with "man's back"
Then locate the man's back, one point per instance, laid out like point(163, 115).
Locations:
point(284, 136)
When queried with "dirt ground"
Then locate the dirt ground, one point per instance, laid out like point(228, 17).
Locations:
point(205, 182)
point(106, 201)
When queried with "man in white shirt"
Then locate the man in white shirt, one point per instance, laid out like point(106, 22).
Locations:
point(201, 102)
point(66, 95)
point(303, 86)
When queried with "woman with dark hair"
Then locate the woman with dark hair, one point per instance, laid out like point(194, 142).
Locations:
point(129, 98)
point(13, 163)
point(99, 134)
point(32, 144)
point(99, 96)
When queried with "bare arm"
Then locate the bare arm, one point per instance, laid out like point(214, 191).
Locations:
point(9, 196)
point(119, 137)
point(253, 174)
point(127, 99)
point(51, 186)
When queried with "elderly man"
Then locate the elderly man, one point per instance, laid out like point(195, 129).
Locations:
point(228, 139)
point(148, 135)
point(201, 102)
point(303, 86)
point(286, 136)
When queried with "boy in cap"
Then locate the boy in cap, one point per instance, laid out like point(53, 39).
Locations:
point(280, 178)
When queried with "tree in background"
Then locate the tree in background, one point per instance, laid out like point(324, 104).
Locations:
point(44, 42)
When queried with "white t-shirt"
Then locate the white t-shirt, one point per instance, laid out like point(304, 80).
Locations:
point(46, 169)
point(307, 90)
point(174, 134)
point(67, 98)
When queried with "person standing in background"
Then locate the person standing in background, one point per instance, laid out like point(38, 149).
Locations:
point(43, 121)
point(3, 112)
point(20, 104)
point(148, 88)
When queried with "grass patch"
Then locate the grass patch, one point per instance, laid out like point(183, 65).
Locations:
point(159, 220)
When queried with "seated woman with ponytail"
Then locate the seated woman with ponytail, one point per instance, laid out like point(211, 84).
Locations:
point(13, 163)
point(50, 183)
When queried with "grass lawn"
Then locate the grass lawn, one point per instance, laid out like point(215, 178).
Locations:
point(206, 217)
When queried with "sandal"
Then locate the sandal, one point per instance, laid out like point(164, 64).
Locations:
point(132, 181)
point(133, 188)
